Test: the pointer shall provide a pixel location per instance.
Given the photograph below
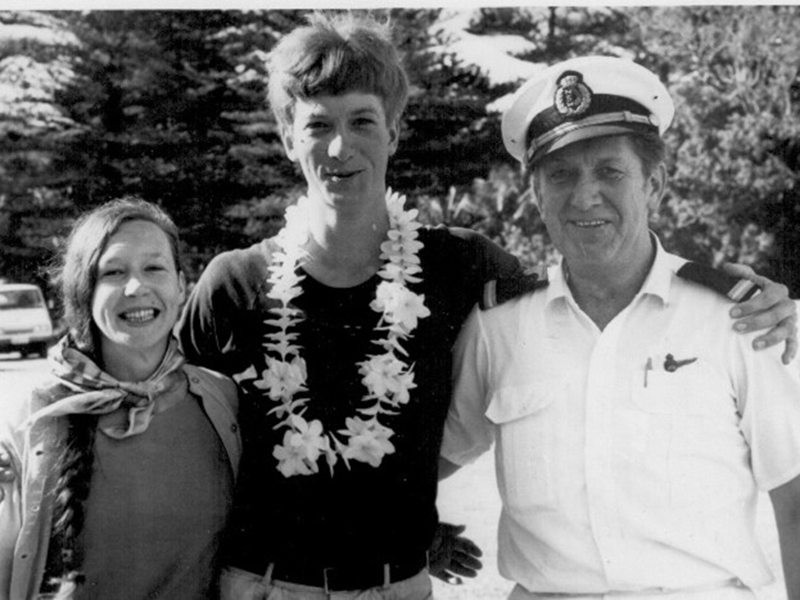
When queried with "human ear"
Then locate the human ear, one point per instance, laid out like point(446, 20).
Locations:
point(182, 287)
point(287, 138)
point(534, 192)
point(657, 186)
point(394, 136)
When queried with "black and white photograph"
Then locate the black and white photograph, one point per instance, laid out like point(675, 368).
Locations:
point(376, 301)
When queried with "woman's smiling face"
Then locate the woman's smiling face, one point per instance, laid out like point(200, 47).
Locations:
point(139, 292)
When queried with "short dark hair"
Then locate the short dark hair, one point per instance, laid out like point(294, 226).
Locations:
point(76, 273)
point(649, 148)
point(335, 54)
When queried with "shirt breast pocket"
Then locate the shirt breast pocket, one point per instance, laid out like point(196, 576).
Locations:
point(525, 416)
point(687, 429)
point(689, 390)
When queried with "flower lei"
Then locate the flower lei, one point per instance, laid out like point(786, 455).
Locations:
point(385, 375)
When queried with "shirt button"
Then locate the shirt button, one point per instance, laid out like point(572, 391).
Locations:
point(195, 379)
point(234, 428)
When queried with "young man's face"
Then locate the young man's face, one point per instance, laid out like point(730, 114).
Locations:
point(343, 144)
point(596, 201)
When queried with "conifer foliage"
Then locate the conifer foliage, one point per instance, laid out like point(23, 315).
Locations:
point(170, 105)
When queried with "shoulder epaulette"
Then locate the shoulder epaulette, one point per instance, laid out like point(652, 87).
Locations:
point(733, 287)
point(497, 291)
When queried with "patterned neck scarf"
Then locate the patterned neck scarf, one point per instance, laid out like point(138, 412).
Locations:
point(98, 393)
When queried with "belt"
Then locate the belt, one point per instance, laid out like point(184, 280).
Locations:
point(356, 577)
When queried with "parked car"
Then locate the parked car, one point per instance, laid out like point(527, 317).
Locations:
point(25, 324)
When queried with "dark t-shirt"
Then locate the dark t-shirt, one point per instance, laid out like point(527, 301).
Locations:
point(361, 514)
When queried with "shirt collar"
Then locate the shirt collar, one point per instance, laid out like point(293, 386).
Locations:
point(657, 283)
point(659, 280)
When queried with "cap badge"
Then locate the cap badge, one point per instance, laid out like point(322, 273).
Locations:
point(572, 97)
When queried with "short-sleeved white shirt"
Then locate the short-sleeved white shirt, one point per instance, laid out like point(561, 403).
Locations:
point(615, 473)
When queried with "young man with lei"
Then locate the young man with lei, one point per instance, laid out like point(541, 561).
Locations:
point(339, 331)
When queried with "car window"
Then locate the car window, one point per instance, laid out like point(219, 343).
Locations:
point(20, 299)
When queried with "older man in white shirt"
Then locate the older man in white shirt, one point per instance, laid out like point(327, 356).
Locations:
point(633, 427)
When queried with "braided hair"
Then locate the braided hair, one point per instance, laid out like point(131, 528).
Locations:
point(74, 468)
point(76, 276)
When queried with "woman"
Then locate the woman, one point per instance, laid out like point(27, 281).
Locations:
point(123, 464)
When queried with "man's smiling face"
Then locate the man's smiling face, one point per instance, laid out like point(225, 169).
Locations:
point(343, 144)
point(596, 201)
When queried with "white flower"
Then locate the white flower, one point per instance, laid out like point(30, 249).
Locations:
point(369, 442)
point(302, 447)
point(400, 305)
point(407, 220)
point(403, 395)
point(400, 273)
point(309, 437)
point(283, 347)
point(282, 379)
point(392, 271)
point(284, 290)
point(285, 320)
point(291, 458)
point(408, 252)
point(387, 296)
point(394, 201)
point(381, 374)
point(410, 310)
point(388, 380)
point(295, 234)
